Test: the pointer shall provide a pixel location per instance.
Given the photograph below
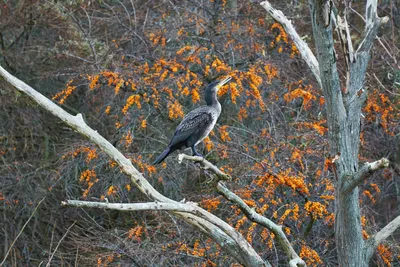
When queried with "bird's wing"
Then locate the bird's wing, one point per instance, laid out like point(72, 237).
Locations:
point(192, 122)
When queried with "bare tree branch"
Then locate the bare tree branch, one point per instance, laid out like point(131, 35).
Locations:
point(371, 244)
point(302, 46)
point(59, 243)
point(377, 37)
point(388, 230)
point(224, 234)
point(250, 213)
point(346, 43)
point(20, 232)
point(355, 94)
point(206, 165)
point(363, 173)
point(182, 207)
point(373, 22)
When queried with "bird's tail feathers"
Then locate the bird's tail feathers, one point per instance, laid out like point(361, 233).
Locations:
point(163, 155)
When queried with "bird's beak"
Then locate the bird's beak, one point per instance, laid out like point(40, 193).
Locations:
point(224, 81)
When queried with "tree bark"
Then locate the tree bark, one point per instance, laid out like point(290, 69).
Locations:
point(343, 107)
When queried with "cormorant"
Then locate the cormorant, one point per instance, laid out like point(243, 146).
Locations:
point(197, 124)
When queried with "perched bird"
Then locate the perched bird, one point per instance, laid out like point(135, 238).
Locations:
point(197, 124)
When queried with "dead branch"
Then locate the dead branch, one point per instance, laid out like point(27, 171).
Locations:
point(250, 213)
point(342, 28)
point(372, 243)
point(302, 46)
point(386, 231)
point(206, 165)
point(221, 232)
point(363, 173)
point(373, 22)
point(182, 207)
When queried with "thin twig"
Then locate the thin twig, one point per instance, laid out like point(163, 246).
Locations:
point(58, 244)
point(20, 232)
point(378, 38)
point(250, 213)
point(384, 87)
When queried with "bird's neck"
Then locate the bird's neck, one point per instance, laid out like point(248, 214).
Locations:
point(212, 100)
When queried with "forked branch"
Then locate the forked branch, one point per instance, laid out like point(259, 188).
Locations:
point(206, 165)
point(250, 213)
point(372, 23)
point(224, 234)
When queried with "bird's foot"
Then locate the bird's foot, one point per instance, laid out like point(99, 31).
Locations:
point(195, 153)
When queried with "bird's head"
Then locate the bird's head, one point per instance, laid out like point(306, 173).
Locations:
point(215, 86)
point(212, 90)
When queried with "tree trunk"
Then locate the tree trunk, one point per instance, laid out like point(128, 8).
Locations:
point(396, 174)
point(343, 109)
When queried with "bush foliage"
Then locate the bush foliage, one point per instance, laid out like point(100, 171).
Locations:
point(133, 69)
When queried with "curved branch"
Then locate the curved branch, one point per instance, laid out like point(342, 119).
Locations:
point(187, 208)
point(250, 213)
point(302, 46)
point(220, 231)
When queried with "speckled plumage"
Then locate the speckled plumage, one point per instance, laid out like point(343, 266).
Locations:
point(197, 124)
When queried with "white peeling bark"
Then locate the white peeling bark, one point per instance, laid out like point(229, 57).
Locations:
point(342, 28)
point(224, 234)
